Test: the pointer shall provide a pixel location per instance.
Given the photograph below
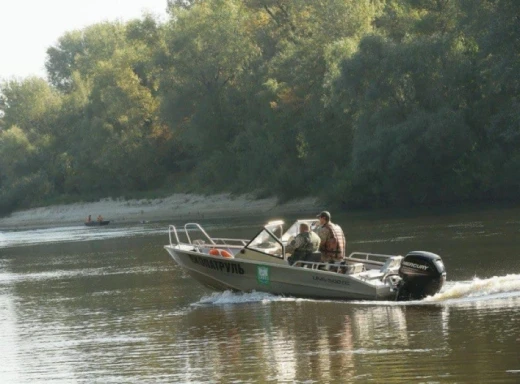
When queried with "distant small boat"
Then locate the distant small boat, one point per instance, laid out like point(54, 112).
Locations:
point(96, 223)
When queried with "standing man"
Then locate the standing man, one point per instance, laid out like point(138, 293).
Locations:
point(303, 245)
point(333, 244)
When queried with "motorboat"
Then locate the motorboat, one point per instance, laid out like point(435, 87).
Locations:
point(261, 264)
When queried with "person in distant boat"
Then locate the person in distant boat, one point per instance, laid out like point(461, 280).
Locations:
point(89, 218)
point(332, 244)
point(303, 245)
point(100, 218)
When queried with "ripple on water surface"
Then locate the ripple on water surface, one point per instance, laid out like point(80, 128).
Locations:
point(78, 233)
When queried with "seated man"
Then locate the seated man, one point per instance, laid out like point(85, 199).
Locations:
point(303, 245)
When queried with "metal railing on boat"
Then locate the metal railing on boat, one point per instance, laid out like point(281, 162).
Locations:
point(370, 258)
point(341, 267)
point(216, 242)
point(357, 263)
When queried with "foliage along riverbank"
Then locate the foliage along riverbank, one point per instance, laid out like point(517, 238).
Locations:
point(361, 103)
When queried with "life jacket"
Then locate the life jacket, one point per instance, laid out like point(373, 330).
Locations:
point(334, 246)
point(340, 237)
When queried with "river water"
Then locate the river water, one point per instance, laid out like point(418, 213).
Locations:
point(108, 305)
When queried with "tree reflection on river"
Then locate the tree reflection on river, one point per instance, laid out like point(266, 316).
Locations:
point(113, 307)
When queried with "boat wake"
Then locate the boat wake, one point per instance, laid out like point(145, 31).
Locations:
point(229, 297)
point(476, 290)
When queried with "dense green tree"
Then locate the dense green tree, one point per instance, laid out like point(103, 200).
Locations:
point(31, 108)
point(210, 49)
point(61, 59)
point(22, 181)
point(497, 33)
point(120, 134)
point(81, 50)
point(30, 104)
point(111, 82)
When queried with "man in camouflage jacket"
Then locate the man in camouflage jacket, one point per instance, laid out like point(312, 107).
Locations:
point(303, 245)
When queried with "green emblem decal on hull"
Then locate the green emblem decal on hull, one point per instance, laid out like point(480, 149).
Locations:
point(262, 275)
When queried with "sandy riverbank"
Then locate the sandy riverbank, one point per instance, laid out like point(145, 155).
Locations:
point(178, 206)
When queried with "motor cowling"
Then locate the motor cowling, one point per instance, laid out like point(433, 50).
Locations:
point(422, 273)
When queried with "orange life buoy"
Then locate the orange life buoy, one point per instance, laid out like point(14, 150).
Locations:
point(220, 252)
point(225, 253)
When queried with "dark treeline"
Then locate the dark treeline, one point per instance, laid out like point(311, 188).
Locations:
point(363, 103)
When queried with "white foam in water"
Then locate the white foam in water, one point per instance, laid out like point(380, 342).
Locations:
point(478, 288)
point(496, 287)
point(229, 297)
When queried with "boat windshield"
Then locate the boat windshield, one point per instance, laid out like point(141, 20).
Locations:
point(266, 242)
point(276, 227)
point(294, 229)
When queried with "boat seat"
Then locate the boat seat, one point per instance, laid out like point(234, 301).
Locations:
point(346, 268)
point(315, 257)
point(355, 268)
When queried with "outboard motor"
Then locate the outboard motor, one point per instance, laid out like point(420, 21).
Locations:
point(422, 273)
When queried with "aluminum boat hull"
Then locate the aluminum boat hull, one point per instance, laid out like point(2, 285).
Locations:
point(243, 275)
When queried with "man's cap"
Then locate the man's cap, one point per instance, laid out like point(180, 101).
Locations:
point(324, 214)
